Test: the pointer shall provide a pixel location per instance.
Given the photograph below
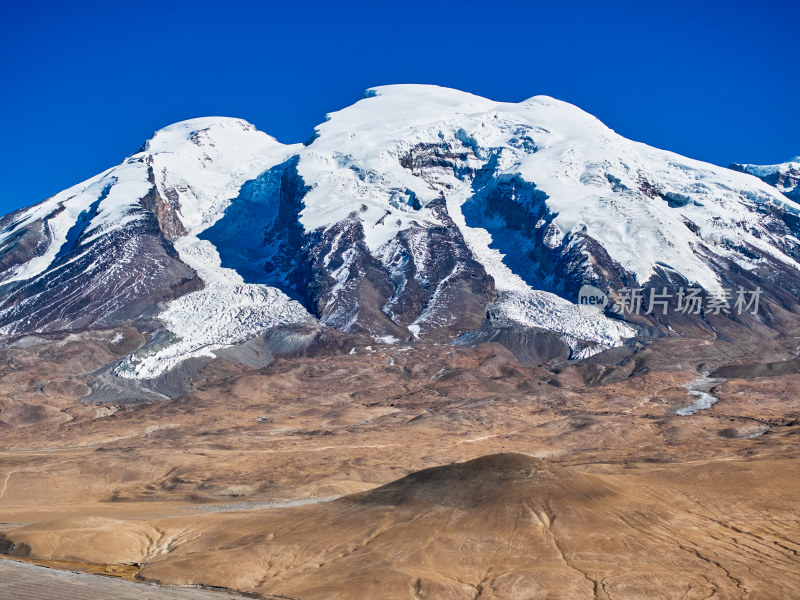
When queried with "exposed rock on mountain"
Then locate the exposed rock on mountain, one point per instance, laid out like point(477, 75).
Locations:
point(784, 176)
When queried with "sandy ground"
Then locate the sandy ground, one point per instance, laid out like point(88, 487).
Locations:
point(312, 478)
point(20, 580)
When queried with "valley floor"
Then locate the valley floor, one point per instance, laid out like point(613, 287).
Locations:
point(409, 473)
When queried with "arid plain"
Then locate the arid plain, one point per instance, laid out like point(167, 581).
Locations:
point(413, 472)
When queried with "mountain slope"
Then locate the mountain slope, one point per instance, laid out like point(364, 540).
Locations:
point(89, 256)
point(546, 198)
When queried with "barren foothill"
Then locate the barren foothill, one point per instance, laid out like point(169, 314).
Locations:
point(411, 472)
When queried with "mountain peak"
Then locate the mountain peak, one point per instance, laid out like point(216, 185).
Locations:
point(207, 132)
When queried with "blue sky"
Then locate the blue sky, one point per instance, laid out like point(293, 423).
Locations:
point(85, 84)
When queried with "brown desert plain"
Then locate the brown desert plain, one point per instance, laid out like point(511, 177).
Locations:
point(416, 472)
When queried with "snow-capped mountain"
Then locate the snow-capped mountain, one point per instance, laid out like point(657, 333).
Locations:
point(545, 197)
point(123, 243)
point(417, 212)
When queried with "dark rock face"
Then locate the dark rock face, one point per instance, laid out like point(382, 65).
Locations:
point(530, 346)
point(347, 285)
point(23, 246)
point(426, 277)
point(437, 282)
point(108, 281)
point(165, 207)
point(423, 158)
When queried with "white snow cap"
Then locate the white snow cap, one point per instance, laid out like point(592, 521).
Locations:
point(593, 178)
point(205, 161)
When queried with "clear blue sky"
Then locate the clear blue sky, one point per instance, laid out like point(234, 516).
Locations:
point(84, 84)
